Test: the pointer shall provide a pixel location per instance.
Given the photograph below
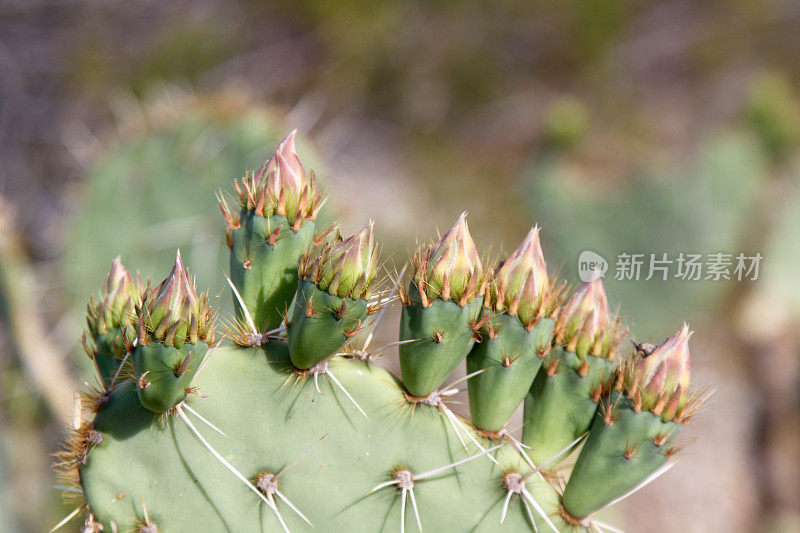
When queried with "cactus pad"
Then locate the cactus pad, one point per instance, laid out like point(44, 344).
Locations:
point(263, 264)
point(561, 404)
point(321, 323)
point(510, 355)
point(438, 338)
point(271, 417)
point(288, 423)
point(624, 448)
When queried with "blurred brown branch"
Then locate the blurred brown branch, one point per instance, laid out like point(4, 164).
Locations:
point(44, 367)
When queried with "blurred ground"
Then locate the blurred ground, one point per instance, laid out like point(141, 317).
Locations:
point(642, 127)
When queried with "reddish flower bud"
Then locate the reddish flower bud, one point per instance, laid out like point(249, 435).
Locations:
point(667, 369)
point(348, 267)
point(284, 172)
point(520, 285)
point(587, 311)
point(174, 311)
point(452, 267)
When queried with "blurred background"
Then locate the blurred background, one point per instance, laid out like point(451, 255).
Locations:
point(619, 127)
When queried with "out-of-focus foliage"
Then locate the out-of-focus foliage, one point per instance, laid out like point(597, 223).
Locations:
point(397, 64)
point(780, 272)
point(7, 525)
point(697, 209)
point(774, 112)
point(565, 123)
point(182, 52)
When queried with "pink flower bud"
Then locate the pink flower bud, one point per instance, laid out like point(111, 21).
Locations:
point(453, 263)
point(347, 268)
point(119, 282)
point(118, 299)
point(174, 312)
point(285, 172)
point(667, 368)
point(520, 284)
point(589, 300)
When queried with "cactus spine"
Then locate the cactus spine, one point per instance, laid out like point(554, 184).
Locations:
point(199, 436)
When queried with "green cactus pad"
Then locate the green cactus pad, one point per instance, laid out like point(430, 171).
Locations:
point(312, 339)
point(603, 471)
point(159, 464)
point(512, 360)
point(425, 363)
point(163, 373)
point(266, 274)
point(560, 408)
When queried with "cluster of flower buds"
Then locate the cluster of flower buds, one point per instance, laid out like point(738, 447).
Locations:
point(343, 267)
point(280, 187)
point(520, 286)
point(450, 269)
point(173, 313)
point(586, 326)
point(115, 310)
point(659, 381)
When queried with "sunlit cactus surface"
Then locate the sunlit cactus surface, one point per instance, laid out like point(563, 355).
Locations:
point(277, 417)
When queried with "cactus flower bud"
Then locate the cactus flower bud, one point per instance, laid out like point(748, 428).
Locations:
point(586, 311)
point(119, 284)
point(521, 284)
point(663, 376)
point(119, 297)
point(174, 311)
point(585, 325)
point(280, 187)
point(284, 172)
point(348, 267)
point(110, 319)
point(286, 185)
point(451, 269)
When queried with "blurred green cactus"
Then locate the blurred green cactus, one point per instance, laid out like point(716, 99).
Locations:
point(774, 113)
point(263, 433)
point(703, 208)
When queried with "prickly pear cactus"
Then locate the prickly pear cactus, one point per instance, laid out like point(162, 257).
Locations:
point(284, 421)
